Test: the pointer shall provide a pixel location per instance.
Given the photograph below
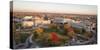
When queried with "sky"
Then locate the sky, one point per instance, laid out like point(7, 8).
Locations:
point(30, 6)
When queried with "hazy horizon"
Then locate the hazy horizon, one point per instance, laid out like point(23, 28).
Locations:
point(30, 6)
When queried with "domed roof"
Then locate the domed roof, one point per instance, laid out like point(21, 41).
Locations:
point(27, 17)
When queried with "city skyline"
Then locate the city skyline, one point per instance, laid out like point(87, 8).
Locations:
point(28, 6)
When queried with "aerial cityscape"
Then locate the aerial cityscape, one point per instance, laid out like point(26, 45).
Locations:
point(38, 25)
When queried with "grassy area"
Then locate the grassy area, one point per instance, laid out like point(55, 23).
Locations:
point(20, 37)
